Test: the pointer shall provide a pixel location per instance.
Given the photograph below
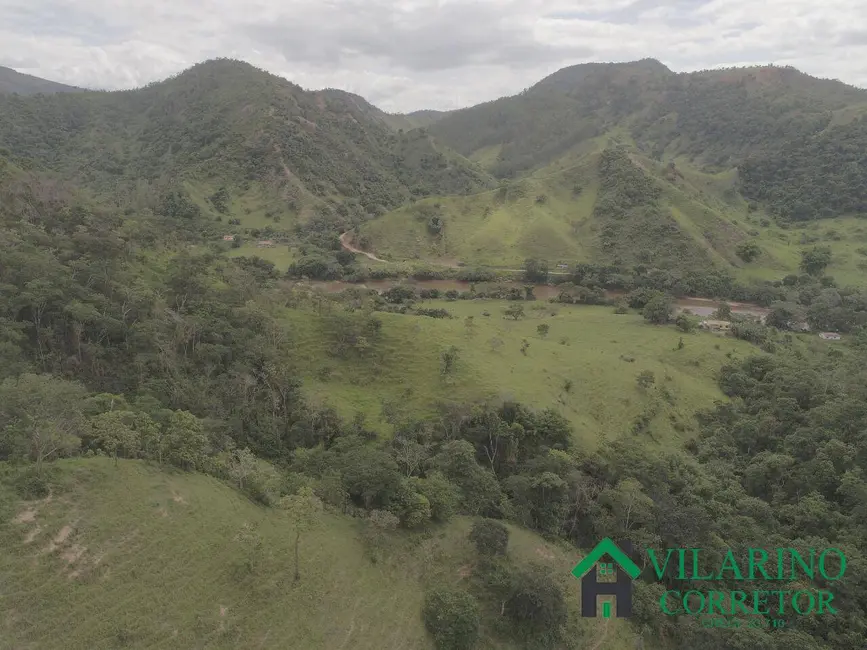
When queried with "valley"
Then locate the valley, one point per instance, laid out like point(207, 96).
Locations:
point(281, 369)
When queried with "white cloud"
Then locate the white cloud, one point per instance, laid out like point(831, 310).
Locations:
point(411, 54)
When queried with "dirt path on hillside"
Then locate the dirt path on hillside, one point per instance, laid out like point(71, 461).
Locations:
point(344, 241)
point(601, 639)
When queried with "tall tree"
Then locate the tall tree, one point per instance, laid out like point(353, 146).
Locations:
point(305, 513)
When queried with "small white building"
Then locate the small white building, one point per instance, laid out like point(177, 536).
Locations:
point(228, 237)
point(830, 336)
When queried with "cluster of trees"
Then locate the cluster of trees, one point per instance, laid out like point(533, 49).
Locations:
point(813, 177)
point(634, 228)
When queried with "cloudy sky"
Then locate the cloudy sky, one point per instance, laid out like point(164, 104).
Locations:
point(409, 54)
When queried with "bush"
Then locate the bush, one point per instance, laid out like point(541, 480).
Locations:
point(658, 309)
point(452, 617)
point(490, 537)
point(686, 323)
point(536, 605)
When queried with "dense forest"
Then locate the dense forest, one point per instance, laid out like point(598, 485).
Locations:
point(226, 122)
point(786, 181)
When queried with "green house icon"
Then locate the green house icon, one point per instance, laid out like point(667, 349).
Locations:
point(626, 570)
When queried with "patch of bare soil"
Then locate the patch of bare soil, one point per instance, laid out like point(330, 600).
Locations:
point(544, 552)
point(73, 553)
point(177, 498)
point(26, 516)
point(28, 539)
point(59, 539)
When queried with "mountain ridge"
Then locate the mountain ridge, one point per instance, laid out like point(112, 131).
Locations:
point(12, 81)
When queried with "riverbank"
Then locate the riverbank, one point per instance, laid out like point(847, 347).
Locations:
point(700, 306)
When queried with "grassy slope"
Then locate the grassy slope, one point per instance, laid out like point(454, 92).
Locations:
point(484, 229)
point(137, 557)
point(604, 399)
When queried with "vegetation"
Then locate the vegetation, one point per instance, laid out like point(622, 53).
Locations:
point(25, 84)
point(202, 450)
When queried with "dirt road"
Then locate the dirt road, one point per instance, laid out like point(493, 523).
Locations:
point(344, 241)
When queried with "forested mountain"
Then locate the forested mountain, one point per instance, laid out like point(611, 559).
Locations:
point(12, 81)
point(226, 123)
point(716, 119)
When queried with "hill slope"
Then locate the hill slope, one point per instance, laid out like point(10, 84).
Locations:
point(224, 124)
point(612, 206)
point(12, 81)
point(133, 556)
point(718, 119)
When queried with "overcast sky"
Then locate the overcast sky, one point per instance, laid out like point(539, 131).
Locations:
point(409, 54)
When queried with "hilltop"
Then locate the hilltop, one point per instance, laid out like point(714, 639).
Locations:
point(240, 140)
point(12, 81)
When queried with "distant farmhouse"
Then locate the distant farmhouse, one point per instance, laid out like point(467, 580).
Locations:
point(228, 237)
point(265, 243)
point(830, 336)
point(716, 325)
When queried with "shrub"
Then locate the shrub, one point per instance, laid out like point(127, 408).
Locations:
point(452, 617)
point(490, 537)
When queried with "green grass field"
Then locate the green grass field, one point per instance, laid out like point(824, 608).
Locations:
point(281, 255)
point(587, 346)
point(138, 557)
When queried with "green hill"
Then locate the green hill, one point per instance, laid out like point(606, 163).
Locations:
point(137, 557)
point(612, 207)
point(241, 138)
point(719, 120)
point(19, 83)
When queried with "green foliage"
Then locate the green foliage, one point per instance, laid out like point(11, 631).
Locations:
point(815, 260)
point(686, 323)
point(442, 495)
point(748, 251)
point(304, 510)
point(659, 309)
point(490, 537)
point(452, 617)
point(645, 379)
point(807, 178)
point(536, 606)
point(514, 311)
point(543, 329)
point(41, 418)
point(535, 270)
point(449, 359)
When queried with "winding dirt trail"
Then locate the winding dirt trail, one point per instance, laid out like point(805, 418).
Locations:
point(344, 241)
